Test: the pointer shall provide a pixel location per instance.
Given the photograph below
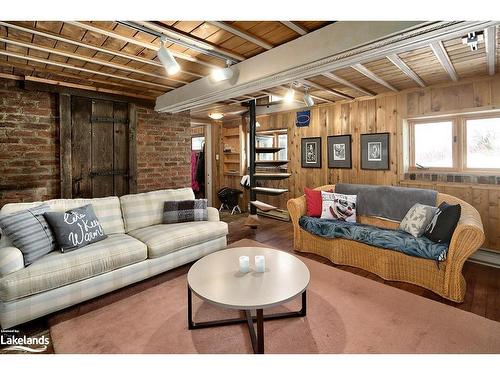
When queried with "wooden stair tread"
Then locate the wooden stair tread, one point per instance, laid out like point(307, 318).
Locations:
point(272, 162)
point(269, 191)
point(263, 206)
point(252, 221)
point(271, 175)
point(268, 150)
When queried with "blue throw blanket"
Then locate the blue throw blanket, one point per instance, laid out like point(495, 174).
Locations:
point(385, 238)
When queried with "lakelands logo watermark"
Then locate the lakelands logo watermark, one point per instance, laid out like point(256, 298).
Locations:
point(14, 341)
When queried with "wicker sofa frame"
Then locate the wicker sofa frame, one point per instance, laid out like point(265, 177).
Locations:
point(446, 279)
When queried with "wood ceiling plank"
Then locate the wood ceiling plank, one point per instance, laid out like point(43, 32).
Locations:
point(368, 73)
point(299, 29)
point(187, 26)
point(442, 56)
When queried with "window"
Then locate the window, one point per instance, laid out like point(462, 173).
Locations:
point(264, 141)
point(434, 144)
point(483, 143)
point(197, 143)
point(462, 143)
point(270, 138)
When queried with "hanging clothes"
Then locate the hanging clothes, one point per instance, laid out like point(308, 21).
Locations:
point(200, 170)
point(194, 164)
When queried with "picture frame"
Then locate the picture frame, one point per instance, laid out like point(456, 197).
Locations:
point(339, 151)
point(311, 152)
point(375, 151)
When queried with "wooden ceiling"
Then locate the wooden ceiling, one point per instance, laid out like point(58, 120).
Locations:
point(115, 58)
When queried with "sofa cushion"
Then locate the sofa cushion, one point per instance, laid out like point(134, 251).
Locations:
point(384, 238)
point(443, 223)
point(417, 218)
point(145, 209)
point(29, 232)
point(163, 239)
point(75, 228)
point(57, 269)
point(107, 210)
point(185, 211)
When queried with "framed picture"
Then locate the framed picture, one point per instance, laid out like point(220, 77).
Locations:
point(375, 151)
point(311, 152)
point(339, 151)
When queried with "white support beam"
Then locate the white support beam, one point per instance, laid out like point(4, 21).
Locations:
point(89, 46)
point(443, 58)
point(401, 65)
point(295, 27)
point(335, 46)
point(344, 82)
point(91, 71)
point(242, 34)
point(89, 59)
point(368, 73)
point(137, 42)
point(186, 39)
point(490, 35)
point(326, 89)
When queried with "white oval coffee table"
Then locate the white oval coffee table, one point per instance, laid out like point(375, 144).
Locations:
point(216, 279)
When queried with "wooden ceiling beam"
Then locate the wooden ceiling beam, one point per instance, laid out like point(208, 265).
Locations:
point(91, 71)
point(89, 46)
point(326, 89)
point(89, 60)
point(186, 39)
point(146, 45)
point(401, 65)
point(344, 82)
point(295, 27)
point(490, 35)
point(368, 73)
point(443, 58)
point(242, 34)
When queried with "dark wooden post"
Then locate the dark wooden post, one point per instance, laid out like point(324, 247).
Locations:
point(65, 145)
point(252, 130)
point(132, 131)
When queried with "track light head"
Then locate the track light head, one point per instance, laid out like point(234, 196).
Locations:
point(222, 74)
point(290, 94)
point(308, 99)
point(168, 61)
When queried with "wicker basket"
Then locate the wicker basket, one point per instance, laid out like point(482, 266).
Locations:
point(446, 280)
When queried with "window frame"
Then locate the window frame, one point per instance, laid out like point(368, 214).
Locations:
point(455, 149)
point(463, 125)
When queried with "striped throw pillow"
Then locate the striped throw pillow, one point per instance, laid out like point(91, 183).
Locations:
point(184, 211)
point(29, 232)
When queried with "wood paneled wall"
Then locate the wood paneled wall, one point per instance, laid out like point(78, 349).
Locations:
point(385, 113)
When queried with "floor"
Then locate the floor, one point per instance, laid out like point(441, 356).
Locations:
point(483, 282)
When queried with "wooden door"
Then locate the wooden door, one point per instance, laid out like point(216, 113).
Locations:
point(100, 148)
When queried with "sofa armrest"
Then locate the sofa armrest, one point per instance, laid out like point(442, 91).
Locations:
point(296, 208)
point(11, 260)
point(213, 214)
point(468, 235)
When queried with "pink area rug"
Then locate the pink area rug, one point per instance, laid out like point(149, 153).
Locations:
point(346, 314)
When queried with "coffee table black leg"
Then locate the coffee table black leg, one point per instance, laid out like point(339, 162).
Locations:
point(190, 309)
point(260, 331)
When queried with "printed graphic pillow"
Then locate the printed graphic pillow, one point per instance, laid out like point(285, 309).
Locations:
point(338, 207)
point(75, 228)
point(29, 232)
point(313, 202)
point(443, 223)
point(417, 218)
point(185, 211)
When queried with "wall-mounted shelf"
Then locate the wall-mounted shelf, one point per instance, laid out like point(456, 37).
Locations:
point(233, 140)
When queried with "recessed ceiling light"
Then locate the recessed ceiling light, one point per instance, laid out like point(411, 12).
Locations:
point(216, 115)
point(168, 61)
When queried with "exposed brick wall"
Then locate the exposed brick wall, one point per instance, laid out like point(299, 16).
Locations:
point(29, 144)
point(163, 150)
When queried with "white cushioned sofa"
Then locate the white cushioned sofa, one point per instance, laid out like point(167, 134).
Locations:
point(138, 246)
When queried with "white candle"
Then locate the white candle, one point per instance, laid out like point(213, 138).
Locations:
point(244, 264)
point(260, 263)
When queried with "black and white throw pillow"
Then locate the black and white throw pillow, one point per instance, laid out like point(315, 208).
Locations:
point(443, 223)
point(75, 228)
point(29, 232)
point(185, 211)
point(417, 219)
point(337, 206)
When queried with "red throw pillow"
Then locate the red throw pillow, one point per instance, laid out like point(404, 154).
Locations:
point(314, 202)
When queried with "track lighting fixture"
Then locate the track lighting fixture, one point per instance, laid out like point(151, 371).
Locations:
point(222, 74)
point(290, 94)
point(168, 61)
point(308, 99)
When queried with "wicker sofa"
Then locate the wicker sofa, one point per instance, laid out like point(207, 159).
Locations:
point(446, 279)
